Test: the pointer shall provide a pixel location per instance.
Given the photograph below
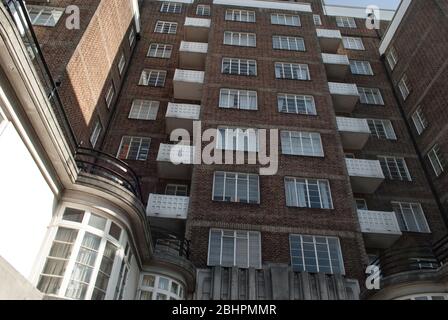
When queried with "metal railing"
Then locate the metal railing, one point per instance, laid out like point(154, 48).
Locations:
point(106, 166)
point(177, 247)
point(378, 222)
point(397, 261)
point(441, 249)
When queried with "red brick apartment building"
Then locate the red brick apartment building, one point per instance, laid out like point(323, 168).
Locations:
point(357, 112)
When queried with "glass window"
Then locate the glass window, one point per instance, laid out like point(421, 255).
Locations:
point(236, 187)
point(395, 168)
point(410, 217)
point(353, 43)
point(73, 215)
point(203, 10)
point(134, 148)
point(285, 20)
point(115, 231)
point(144, 109)
point(419, 120)
point(131, 36)
point(240, 15)
point(96, 133)
point(370, 96)
point(382, 129)
point(392, 58)
point(110, 95)
point(298, 104)
point(240, 67)
point(166, 27)
point(121, 63)
point(171, 7)
point(238, 99)
point(302, 143)
point(238, 139)
point(437, 160)
point(152, 78)
point(346, 22)
point(160, 50)
point(234, 248)
point(361, 67)
point(308, 193)
point(288, 43)
point(316, 254)
point(240, 39)
point(44, 16)
point(317, 20)
point(155, 287)
point(176, 190)
point(97, 222)
point(404, 87)
point(292, 71)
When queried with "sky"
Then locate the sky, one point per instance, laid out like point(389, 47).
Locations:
point(385, 4)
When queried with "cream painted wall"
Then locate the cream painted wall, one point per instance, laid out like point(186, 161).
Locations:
point(26, 203)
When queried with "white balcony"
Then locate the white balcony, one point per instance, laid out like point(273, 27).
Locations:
point(175, 161)
point(365, 175)
point(168, 212)
point(197, 29)
point(329, 40)
point(354, 132)
point(181, 116)
point(336, 65)
point(188, 84)
point(192, 55)
point(380, 229)
point(344, 95)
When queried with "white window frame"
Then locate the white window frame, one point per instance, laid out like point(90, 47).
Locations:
point(307, 199)
point(131, 36)
point(157, 292)
point(110, 94)
point(420, 121)
point(285, 20)
point(387, 128)
point(425, 296)
point(317, 20)
point(375, 93)
point(203, 10)
point(237, 234)
point(286, 138)
point(236, 175)
point(165, 27)
point(144, 109)
point(288, 43)
point(249, 66)
point(359, 67)
point(400, 167)
point(392, 58)
point(436, 159)
point(413, 209)
point(247, 95)
point(171, 7)
point(160, 50)
point(403, 86)
point(54, 15)
point(235, 139)
point(308, 101)
point(240, 15)
point(292, 68)
point(121, 64)
point(142, 154)
point(82, 228)
point(316, 256)
point(353, 43)
point(241, 39)
point(97, 129)
point(147, 75)
point(346, 22)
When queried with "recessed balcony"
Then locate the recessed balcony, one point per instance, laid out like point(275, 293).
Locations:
point(197, 29)
point(175, 161)
point(354, 132)
point(192, 55)
point(345, 96)
point(188, 84)
point(329, 40)
point(336, 65)
point(365, 175)
point(181, 116)
point(380, 229)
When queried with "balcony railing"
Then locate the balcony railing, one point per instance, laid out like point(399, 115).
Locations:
point(197, 47)
point(380, 229)
point(344, 96)
point(365, 175)
point(329, 40)
point(188, 84)
point(192, 55)
point(344, 89)
point(353, 125)
point(335, 59)
point(106, 166)
point(181, 116)
point(441, 249)
point(167, 206)
point(176, 154)
point(197, 22)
